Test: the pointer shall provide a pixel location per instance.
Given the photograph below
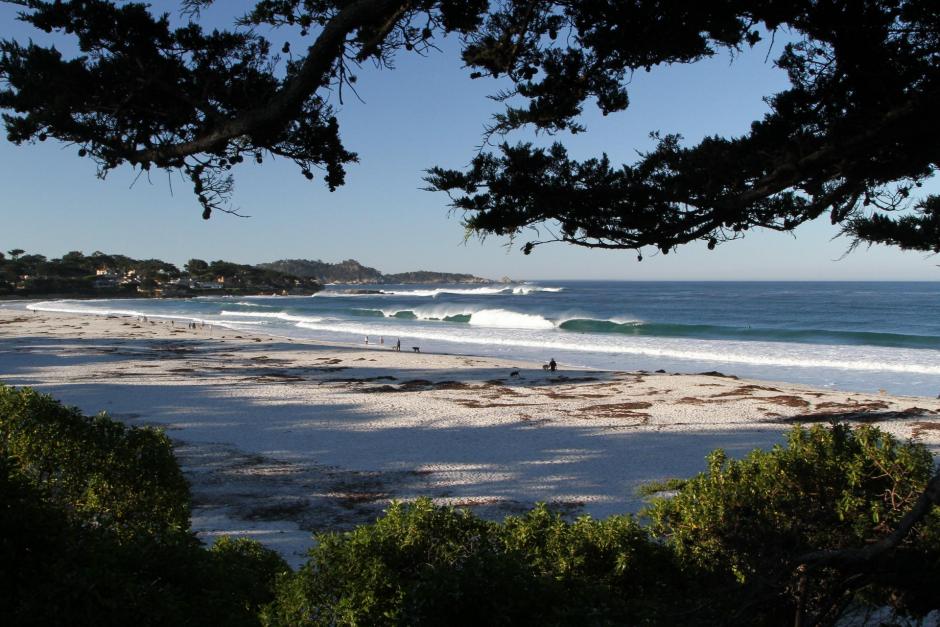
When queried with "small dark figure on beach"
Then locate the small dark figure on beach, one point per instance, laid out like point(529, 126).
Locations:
point(416, 349)
point(398, 345)
point(552, 365)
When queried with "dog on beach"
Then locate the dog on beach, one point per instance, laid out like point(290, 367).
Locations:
point(546, 367)
point(416, 349)
point(514, 373)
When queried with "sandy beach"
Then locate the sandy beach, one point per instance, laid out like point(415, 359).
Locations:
point(280, 438)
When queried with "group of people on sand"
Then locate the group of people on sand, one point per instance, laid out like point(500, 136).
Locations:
point(397, 347)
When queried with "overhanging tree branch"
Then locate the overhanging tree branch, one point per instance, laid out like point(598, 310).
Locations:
point(284, 106)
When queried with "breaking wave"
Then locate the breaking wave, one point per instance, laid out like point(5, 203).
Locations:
point(508, 331)
point(279, 315)
point(870, 359)
point(704, 331)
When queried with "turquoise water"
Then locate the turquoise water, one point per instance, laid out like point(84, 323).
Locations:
point(854, 336)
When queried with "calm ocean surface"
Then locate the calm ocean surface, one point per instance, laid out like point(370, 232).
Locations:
point(851, 336)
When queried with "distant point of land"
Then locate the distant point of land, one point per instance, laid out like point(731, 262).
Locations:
point(351, 271)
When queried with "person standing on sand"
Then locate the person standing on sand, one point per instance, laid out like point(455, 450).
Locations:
point(398, 345)
point(552, 365)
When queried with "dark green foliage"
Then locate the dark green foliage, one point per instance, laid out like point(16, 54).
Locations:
point(77, 274)
point(109, 475)
point(655, 488)
point(351, 271)
point(749, 522)
point(246, 573)
point(94, 529)
point(853, 136)
point(594, 571)
point(424, 565)
point(729, 548)
point(57, 571)
point(253, 278)
point(918, 231)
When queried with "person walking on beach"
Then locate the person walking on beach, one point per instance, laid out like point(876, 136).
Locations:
point(552, 365)
point(398, 345)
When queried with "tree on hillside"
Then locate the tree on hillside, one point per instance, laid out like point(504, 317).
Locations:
point(854, 136)
point(16, 252)
point(196, 267)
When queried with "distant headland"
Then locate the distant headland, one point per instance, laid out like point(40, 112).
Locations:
point(76, 275)
point(353, 272)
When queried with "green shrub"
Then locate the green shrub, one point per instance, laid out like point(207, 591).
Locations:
point(94, 530)
point(122, 478)
point(748, 522)
point(76, 549)
point(594, 571)
point(427, 565)
point(246, 573)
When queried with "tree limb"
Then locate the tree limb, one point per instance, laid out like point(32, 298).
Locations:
point(847, 558)
point(288, 100)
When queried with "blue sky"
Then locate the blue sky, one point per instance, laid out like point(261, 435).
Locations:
point(425, 112)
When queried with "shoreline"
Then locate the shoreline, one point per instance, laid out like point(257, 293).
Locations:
point(280, 437)
point(500, 328)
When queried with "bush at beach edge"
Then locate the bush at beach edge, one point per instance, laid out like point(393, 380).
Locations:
point(94, 528)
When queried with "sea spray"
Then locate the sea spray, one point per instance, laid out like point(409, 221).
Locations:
point(505, 319)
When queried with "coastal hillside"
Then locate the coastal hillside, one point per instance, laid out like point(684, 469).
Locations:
point(351, 271)
point(75, 274)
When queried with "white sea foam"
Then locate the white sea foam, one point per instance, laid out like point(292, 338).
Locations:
point(617, 320)
point(439, 312)
point(505, 319)
point(470, 291)
point(76, 308)
point(476, 291)
point(770, 354)
point(280, 315)
point(508, 332)
point(568, 315)
point(335, 294)
point(479, 316)
point(529, 289)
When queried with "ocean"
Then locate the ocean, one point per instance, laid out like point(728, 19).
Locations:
point(859, 336)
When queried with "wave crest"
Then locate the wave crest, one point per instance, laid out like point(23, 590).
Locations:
point(505, 319)
point(280, 315)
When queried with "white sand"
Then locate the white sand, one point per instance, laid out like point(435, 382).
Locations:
point(280, 438)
